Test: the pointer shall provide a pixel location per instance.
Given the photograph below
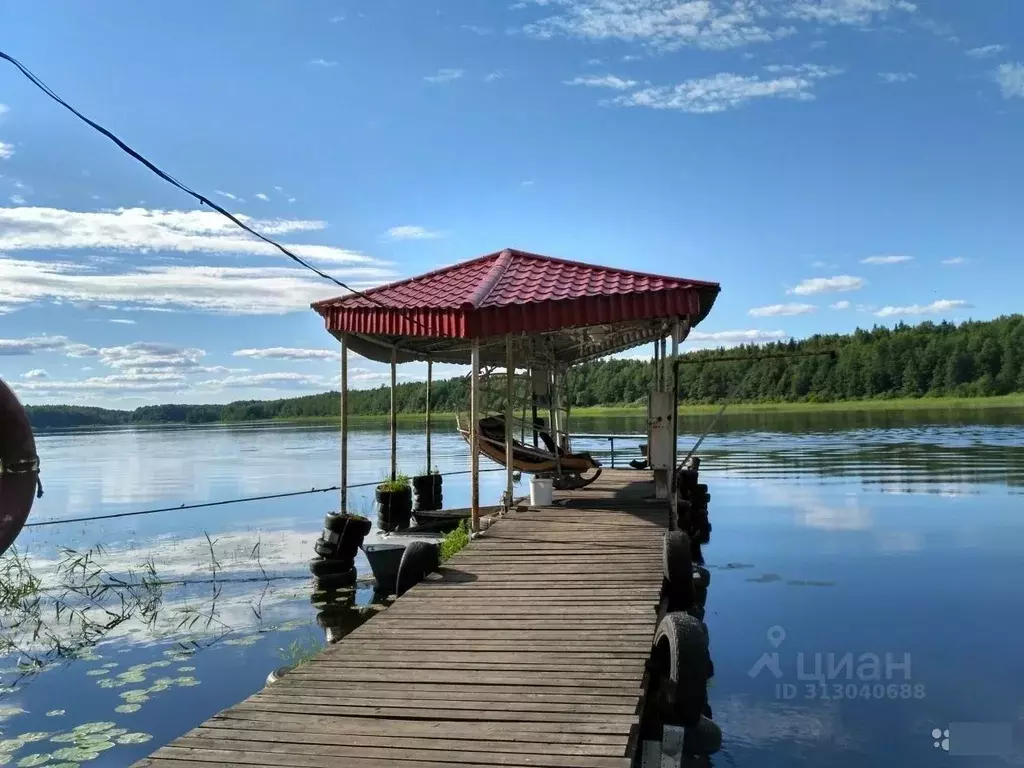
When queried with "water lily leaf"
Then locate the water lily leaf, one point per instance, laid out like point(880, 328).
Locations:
point(64, 765)
point(97, 745)
point(247, 640)
point(55, 713)
point(9, 711)
point(34, 736)
point(161, 663)
point(111, 665)
point(76, 754)
point(186, 682)
point(11, 745)
point(134, 738)
point(186, 669)
point(98, 672)
point(29, 760)
point(127, 709)
point(136, 697)
point(65, 738)
point(97, 727)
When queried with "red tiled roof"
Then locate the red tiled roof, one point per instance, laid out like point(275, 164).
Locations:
point(514, 292)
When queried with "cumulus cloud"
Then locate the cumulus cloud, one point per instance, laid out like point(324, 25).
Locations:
point(886, 259)
point(715, 339)
point(837, 284)
point(33, 344)
point(782, 310)
point(896, 77)
point(408, 232)
point(215, 290)
point(728, 90)
point(850, 12)
point(35, 373)
point(490, 77)
point(145, 230)
point(445, 75)
point(121, 321)
point(1010, 77)
point(605, 81)
point(935, 308)
point(954, 261)
point(151, 357)
point(841, 305)
point(280, 380)
point(986, 51)
point(323, 63)
point(261, 196)
point(288, 353)
point(6, 150)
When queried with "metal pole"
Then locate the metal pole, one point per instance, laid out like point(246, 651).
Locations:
point(344, 425)
point(430, 371)
point(677, 335)
point(662, 378)
point(510, 369)
point(552, 413)
point(394, 414)
point(533, 409)
point(613, 452)
point(474, 428)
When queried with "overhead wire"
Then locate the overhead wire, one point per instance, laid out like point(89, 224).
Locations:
point(203, 199)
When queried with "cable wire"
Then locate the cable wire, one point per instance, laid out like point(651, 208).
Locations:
point(189, 191)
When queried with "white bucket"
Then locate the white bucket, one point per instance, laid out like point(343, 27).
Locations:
point(541, 491)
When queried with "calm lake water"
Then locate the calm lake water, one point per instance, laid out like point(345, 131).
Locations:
point(891, 536)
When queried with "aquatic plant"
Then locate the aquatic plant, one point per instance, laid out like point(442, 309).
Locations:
point(301, 651)
point(454, 540)
point(398, 484)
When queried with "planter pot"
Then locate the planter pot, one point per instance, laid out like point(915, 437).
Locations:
point(394, 509)
point(384, 561)
point(428, 495)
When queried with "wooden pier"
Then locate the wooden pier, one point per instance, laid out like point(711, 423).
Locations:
point(529, 648)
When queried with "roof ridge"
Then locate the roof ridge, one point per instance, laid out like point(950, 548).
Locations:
point(633, 272)
point(494, 276)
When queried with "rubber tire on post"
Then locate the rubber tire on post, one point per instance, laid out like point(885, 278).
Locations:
point(335, 581)
point(705, 738)
point(418, 560)
point(327, 567)
point(358, 526)
point(678, 567)
point(345, 551)
point(689, 668)
point(277, 674)
point(703, 576)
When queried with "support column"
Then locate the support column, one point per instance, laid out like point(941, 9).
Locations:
point(510, 370)
point(674, 384)
point(344, 425)
point(394, 414)
point(662, 377)
point(430, 372)
point(474, 439)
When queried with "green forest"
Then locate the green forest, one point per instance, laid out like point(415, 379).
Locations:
point(973, 359)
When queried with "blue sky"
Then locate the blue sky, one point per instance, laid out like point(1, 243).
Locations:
point(833, 163)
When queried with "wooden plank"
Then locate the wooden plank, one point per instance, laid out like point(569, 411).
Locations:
point(560, 665)
point(465, 693)
point(441, 677)
point(471, 715)
point(440, 707)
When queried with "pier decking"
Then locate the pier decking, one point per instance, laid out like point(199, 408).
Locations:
point(528, 649)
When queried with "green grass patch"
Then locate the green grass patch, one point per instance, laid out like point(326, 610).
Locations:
point(400, 483)
point(454, 541)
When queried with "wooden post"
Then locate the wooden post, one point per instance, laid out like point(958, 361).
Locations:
point(510, 370)
point(674, 383)
point(662, 378)
point(430, 371)
point(394, 414)
point(344, 425)
point(474, 427)
point(533, 407)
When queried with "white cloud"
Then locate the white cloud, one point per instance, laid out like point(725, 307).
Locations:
point(17, 199)
point(490, 77)
point(886, 259)
point(228, 195)
point(261, 196)
point(476, 30)
point(605, 81)
point(726, 91)
point(6, 150)
point(151, 357)
point(1010, 77)
point(986, 51)
point(841, 305)
point(33, 344)
point(527, 183)
point(142, 229)
point(323, 63)
point(935, 308)
point(851, 12)
point(279, 380)
point(629, 57)
point(662, 24)
point(120, 383)
point(122, 321)
point(838, 284)
point(288, 353)
point(715, 339)
point(336, 19)
point(408, 232)
point(954, 261)
point(35, 373)
point(215, 290)
point(896, 77)
point(782, 310)
point(445, 75)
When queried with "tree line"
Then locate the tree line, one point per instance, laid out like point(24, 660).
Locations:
point(973, 359)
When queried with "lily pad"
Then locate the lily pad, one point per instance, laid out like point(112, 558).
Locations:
point(247, 640)
point(127, 709)
point(30, 760)
point(111, 665)
point(98, 672)
point(186, 669)
point(134, 738)
point(64, 765)
point(161, 663)
point(97, 727)
point(65, 738)
point(9, 711)
point(76, 754)
point(136, 697)
point(55, 713)
point(186, 682)
point(33, 736)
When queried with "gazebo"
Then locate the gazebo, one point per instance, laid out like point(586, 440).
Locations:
point(514, 309)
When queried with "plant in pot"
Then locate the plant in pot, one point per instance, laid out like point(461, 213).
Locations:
point(394, 503)
point(427, 488)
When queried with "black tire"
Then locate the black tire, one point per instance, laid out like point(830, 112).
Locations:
point(325, 567)
point(678, 568)
point(703, 576)
point(277, 674)
point(334, 581)
point(418, 560)
point(323, 549)
point(344, 552)
point(348, 525)
point(681, 646)
point(705, 738)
